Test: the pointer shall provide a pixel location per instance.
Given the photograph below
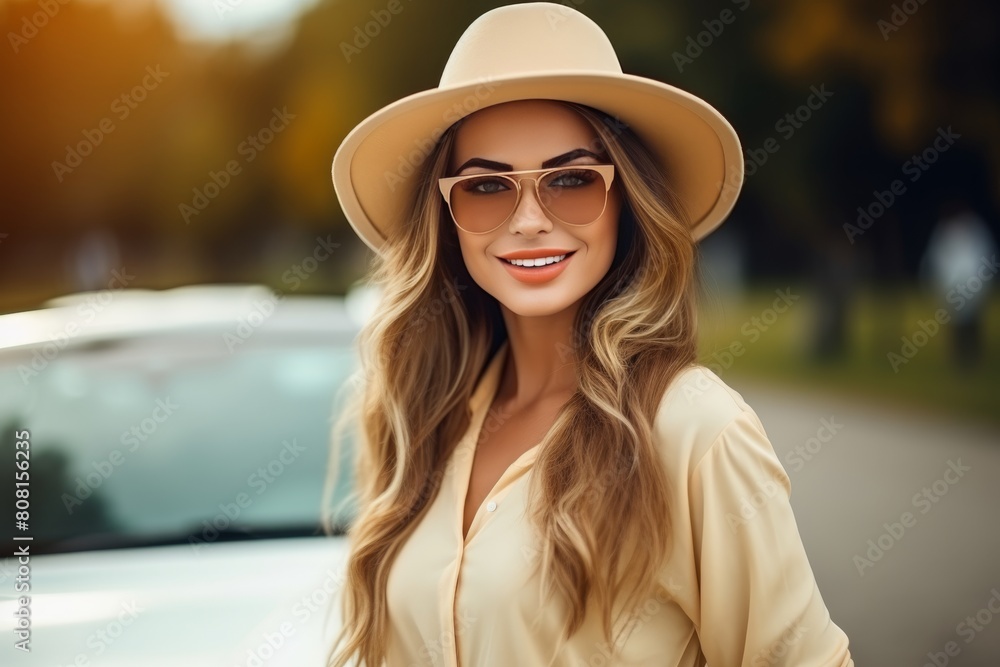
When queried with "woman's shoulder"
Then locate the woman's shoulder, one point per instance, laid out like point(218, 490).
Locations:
point(697, 406)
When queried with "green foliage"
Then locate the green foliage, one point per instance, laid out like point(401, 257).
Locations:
point(782, 352)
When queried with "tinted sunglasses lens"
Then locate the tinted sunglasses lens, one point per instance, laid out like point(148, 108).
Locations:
point(574, 196)
point(480, 204)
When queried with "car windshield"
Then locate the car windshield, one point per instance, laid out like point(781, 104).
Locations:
point(168, 439)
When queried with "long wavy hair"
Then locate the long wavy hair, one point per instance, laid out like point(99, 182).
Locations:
point(598, 487)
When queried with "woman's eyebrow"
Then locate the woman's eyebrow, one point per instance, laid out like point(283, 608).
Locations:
point(566, 157)
point(551, 162)
point(486, 164)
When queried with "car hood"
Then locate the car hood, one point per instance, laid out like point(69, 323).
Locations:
point(236, 604)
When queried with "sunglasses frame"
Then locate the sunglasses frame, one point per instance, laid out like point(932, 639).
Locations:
point(607, 172)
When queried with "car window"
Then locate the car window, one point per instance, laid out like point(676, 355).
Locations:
point(174, 438)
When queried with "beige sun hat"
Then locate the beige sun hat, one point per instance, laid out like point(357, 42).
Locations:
point(536, 50)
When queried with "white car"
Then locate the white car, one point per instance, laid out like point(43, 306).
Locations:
point(178, 444)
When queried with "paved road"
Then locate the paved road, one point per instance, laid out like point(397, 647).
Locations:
point(907, 602)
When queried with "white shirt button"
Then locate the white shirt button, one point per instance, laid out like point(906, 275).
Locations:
point(491, 506)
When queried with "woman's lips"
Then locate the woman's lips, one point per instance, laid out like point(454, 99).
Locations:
point(534, 275)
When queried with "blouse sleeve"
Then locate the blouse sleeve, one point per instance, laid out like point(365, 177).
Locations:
point(760, 604)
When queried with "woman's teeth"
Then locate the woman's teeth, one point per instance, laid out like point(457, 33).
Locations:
point(540, 261)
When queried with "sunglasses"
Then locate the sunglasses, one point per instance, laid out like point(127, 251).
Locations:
point(575, 195)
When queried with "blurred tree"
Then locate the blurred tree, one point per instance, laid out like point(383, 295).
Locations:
point(177, 178)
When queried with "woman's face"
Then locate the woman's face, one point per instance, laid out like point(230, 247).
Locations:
point(534, 134)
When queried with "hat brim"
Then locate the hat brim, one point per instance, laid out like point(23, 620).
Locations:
point(374, 169)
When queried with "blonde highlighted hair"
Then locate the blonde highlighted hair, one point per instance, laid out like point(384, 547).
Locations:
point(423, 351)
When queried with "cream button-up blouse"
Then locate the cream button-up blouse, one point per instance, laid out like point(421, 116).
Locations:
point(737, 590)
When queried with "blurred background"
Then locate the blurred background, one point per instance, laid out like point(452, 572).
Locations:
point(186, 142)
point(156, 144)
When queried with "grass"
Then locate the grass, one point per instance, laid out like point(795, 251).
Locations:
point(877, 321)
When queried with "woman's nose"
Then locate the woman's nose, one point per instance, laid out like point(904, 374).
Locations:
point(529, 217)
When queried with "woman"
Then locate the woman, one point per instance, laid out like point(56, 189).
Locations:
point(546, 476)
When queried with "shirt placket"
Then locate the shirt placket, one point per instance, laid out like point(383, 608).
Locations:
point(462, 470)
point(493, 500)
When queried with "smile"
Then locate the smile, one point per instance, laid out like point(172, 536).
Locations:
point(539, 270)
point(538, 261)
